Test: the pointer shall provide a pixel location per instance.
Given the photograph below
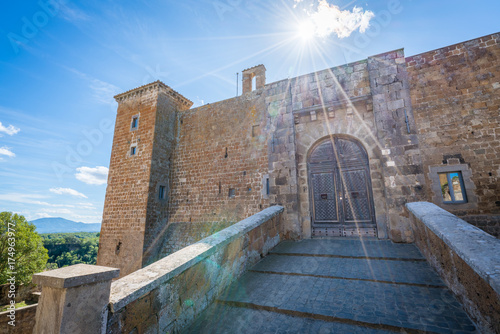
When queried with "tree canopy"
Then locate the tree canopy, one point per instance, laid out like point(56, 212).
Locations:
point(66, 249)
point(21, 247)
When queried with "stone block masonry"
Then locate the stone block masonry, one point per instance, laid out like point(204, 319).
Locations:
point(397, 133)
point(455, 94)
point(181, 172)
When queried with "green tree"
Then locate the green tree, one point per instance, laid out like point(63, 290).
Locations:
point(21, 247)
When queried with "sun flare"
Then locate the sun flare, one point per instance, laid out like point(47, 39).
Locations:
point(306, 30)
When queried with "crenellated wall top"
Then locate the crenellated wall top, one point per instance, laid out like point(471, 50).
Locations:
point(158, 87)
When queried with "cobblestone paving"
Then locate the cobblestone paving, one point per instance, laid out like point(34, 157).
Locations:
point(290, 293)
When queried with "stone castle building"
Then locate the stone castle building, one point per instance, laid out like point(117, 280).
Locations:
point(341, 149)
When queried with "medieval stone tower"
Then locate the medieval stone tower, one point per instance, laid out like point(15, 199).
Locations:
point(342, 150)
point(139, 178)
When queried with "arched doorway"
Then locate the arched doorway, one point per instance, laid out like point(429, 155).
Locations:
point(340, 189)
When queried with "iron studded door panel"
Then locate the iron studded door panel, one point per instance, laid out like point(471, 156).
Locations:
point(324, 198)
point(356, 203)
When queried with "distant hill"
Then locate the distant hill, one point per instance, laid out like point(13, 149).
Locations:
point(61, 225)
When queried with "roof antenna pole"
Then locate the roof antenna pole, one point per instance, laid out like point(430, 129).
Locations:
point(237, 74)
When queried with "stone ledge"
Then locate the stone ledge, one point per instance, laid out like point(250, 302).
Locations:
point(79, 274)
point(472, 244)
point(142, 281)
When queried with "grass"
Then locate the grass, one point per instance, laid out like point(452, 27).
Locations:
point(18, 305)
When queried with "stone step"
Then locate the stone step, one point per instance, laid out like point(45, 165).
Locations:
point(389, 271)
point(337, 286)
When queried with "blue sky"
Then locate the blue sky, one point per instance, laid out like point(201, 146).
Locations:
point(62, 62)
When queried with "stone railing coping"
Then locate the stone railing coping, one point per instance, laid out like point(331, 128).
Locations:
point(72, 276)
point(20, 309)
point(480, 250)
point(142, 281)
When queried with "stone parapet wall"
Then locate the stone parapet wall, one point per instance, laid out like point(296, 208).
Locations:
point(25, 320)
point(167, 295)
point(465, 257)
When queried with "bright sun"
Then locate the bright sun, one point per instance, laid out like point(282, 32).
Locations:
point(306, 30)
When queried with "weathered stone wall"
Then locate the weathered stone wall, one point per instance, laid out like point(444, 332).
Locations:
point(455, 94)
point(129, 209)
point(415, 117)
point(367, 100)
point(220, 161)
point(24, 292)
point(465, 257)
point(162, 166)
point(25, 320)
point(488, 223)
point(180, 235)
point(167, 295)
point(397, 135)
point(334, 102)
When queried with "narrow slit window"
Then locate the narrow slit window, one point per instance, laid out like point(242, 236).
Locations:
point(135, 122)
point(452, 187)
point(267, 186)
point(133, 150)
point(161, 193)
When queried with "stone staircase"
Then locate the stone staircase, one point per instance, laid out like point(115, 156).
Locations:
point(337, 286)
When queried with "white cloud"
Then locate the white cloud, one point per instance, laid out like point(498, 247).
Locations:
point(103, 91)
point(10, 130)
point(30, 199)
point(4, 150)
point(67, 191)
point(71, 13)
point(328, 19)
point(89, 175)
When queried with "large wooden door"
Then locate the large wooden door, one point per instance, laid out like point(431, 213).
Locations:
point(341, 196)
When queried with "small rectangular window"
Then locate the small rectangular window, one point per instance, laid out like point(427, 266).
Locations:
point(161, 192)
point(232, 193)
point(452, 187)
point(135, 122)
point(133, 150)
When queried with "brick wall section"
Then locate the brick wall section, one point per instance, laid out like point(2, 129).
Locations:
point(180, 235)
point(129, 189)
point(488, 223)
point(455, 94)
point(402, 167)
point(221, 146)
point(161, 175)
